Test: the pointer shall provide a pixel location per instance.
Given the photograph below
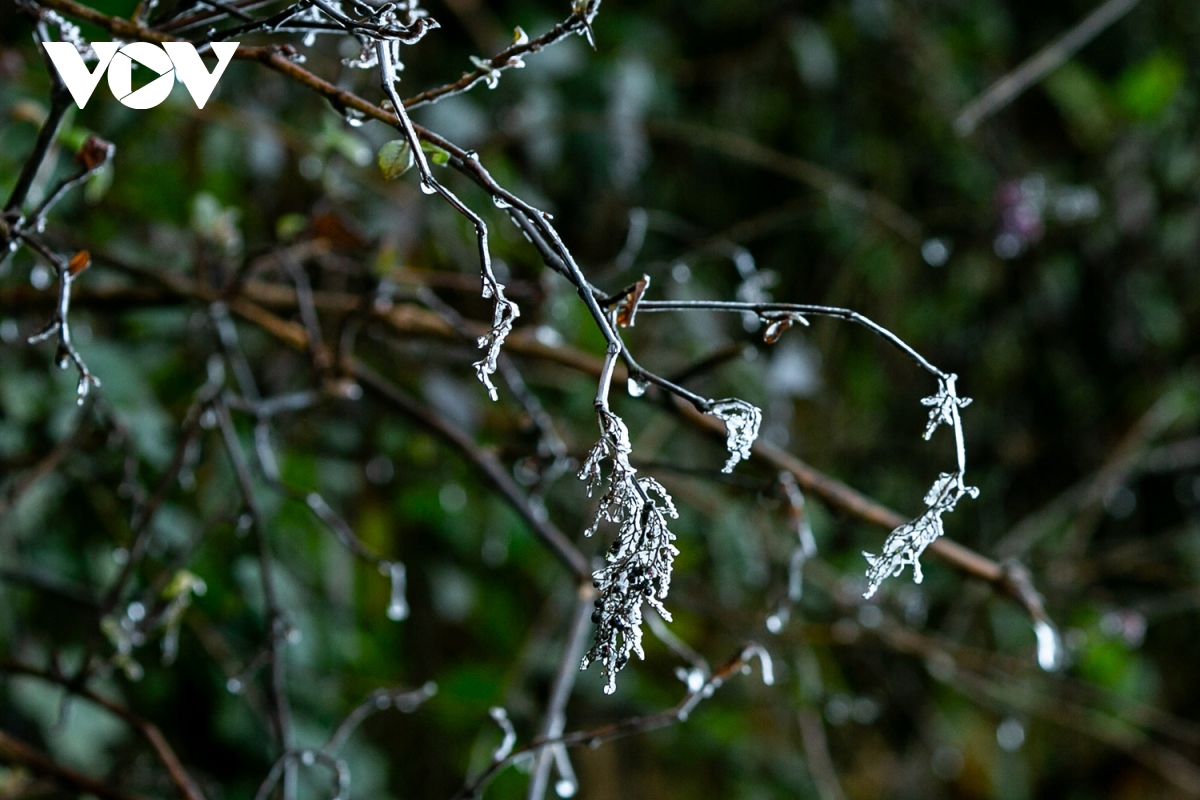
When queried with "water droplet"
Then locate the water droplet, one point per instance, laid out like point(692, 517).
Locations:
point(208, 420)
point(9, 331)
point(428, 186)
point(566, 788)
point(244, 524)
point(307, 758)
point(695, 681)
point(869, 616)
point(636, 388)
point(947, 762)
point(1049, 646)
point(1010, 735)
point(775, 623)
point(397, 609)
point(310, 39)
point(39, 276)
point(452, 498)
point(935, 251)
point(294, 636)
point(500, 202)
point(136, 611)
point(234, 686)
point(120, 556)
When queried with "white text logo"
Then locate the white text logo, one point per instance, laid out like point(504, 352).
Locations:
point(170, 61)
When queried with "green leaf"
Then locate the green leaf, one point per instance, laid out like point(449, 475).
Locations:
point(1082, 100)
point(394, 159)
point(436, 154)
point(1147, 87)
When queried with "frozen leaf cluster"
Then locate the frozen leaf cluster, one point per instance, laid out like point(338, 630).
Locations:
point(742, 421)
point(638, 568)
point(944, 406)
point(406, 22)
point(503, 316)
point(904, 546)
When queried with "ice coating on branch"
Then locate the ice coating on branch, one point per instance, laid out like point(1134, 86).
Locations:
point(491, 75)
point(505, 313)
point(639, 563)
point(742, 421)
point(500, 716)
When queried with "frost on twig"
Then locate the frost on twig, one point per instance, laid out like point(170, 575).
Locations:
point(742, 422)
point(944, 406)
point(505, 313)
point(904, 546)
point(640, 559)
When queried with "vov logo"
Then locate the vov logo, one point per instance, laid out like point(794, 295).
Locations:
point(170, 61)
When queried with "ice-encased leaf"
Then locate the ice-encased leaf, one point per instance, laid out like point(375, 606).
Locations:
point(395, 158)
point(904, 546)
point(943, 406)
point(742, 421)
point(639, 562)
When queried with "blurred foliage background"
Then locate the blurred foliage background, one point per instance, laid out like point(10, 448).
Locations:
point(1050, 258)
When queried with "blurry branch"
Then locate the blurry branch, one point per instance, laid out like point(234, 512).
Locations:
point(51, 585)
point(1079, 504)
point(696, 693)
point(1001, 683)
point(423, 321)
point(555, 717)
point(826, 181)
point(60, 101)
point(280, 710)
point(1168, 764)
point(1041, 64)
point(166, 755)
point(487, 463)
point(408, 319)
point(11, 494)
point(406, 701)
point(816, 754)
point(15, 752)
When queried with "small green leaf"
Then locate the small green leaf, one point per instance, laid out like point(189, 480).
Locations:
point(1148, 87)
point(394, 159)
point(289, 226)
point(436, 154)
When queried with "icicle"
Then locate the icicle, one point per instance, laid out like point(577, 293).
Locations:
point(397, 609)
point(1049, 646)
point(504, 749)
